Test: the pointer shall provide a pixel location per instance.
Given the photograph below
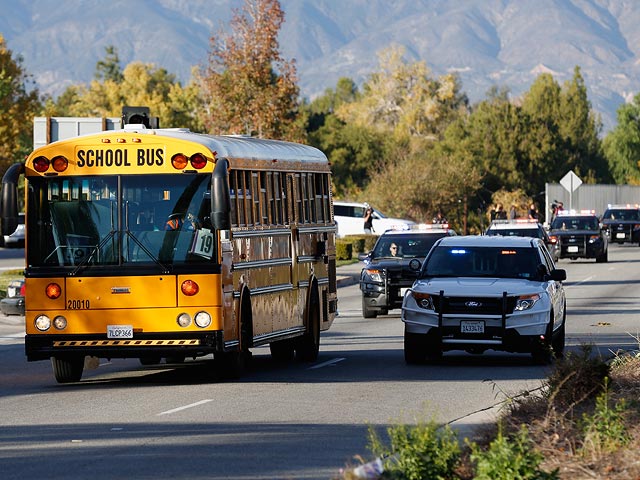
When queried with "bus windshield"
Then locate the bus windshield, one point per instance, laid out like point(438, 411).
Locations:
point(119, 220)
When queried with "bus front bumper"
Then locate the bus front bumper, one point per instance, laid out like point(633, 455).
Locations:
point(43, 347)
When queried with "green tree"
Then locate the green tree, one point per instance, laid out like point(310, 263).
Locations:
point(622, 144)
point(109, 68)
point(19, 103)
point(403, 99)
point(248, 86)
point(563, 131)
point(139, 85)
point(351, 149)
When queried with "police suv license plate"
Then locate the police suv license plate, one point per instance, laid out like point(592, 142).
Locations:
point(472, 327)
point(119, 331)
point(572, 249)
point(620, 235)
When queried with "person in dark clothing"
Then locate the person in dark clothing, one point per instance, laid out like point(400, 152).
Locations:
point(368, 220)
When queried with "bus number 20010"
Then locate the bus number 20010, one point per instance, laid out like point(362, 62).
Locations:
point(77, 304)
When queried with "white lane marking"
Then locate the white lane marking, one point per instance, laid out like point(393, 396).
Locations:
point(327, 363)
point(581, 281)
point(179, 409)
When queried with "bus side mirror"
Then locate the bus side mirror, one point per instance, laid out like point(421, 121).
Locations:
point(9, 199)
point(220, 199)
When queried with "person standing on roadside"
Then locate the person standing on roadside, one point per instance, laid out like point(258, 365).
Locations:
point(499, 213)
point(533, 212)
point(368, 219)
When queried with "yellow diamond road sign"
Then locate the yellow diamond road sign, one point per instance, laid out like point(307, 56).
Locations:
point(570, 182)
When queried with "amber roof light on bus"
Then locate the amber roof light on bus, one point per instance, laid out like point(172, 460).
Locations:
point(41, 164)
point(179, 161)
point(60, 163)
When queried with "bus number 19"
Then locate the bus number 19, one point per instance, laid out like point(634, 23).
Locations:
point(203, 243)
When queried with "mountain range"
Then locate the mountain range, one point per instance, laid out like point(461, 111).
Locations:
point(504, 43)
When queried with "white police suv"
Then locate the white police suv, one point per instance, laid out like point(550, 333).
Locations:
point(477, 293)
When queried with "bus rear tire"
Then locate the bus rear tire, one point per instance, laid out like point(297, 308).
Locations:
point(308, 346)
point(67, 369)
point(282, 351)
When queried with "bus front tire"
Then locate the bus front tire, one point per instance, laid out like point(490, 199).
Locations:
point(308, 346)
point(231, 365)
point(67, 369)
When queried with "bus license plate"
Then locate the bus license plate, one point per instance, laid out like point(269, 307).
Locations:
point(572, 249)
point(471, 327)
point(119, 331)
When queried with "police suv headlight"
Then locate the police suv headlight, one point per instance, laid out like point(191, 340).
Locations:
point(373, 274)
point(526, 302)
point(423, 300)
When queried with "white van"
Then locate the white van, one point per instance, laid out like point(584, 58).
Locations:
point(349, 219)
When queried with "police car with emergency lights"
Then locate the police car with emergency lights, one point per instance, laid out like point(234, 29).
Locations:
point(476, 293)
point(621, 223)
point(387, 274)
point(579, 234)
point(523, 227)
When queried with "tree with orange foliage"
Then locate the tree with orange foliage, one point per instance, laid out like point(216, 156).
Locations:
point(248, 87)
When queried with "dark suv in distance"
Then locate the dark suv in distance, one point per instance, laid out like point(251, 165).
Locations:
point(621, 223)
point(387, 276)
point(523, 227)
point(579, 235)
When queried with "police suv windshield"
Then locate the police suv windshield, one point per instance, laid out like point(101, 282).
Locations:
point(575, 223)
point(515, 232)
point(452, 261)
point(622, 214)
point(117, 220)
point(405, 245)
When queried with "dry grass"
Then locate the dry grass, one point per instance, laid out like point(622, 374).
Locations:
point(556, 418)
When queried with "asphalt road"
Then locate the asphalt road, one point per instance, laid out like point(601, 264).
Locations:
point(295, 421)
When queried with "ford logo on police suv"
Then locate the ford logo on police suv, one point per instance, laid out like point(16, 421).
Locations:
point(472, 304)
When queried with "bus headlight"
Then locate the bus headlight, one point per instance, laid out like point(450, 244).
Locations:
point(202, 319)
point(42, 323)
point(60, 323)
point(184, 320)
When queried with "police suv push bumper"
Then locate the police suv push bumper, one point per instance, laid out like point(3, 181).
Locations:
point(467, 313)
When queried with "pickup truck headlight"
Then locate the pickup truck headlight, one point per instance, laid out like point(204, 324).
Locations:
point(373, 275)
point(525, 302)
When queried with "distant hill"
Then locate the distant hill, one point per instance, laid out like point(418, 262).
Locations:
point(487, 42)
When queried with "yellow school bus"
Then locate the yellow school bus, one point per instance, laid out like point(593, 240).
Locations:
point(167, 244)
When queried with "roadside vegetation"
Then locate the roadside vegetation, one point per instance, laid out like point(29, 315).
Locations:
point(583, 423)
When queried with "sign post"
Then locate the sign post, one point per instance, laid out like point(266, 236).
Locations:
point(570, 182)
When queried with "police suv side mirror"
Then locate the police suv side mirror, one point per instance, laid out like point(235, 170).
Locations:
point(558, 275)
point(415, 264)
